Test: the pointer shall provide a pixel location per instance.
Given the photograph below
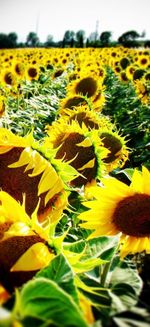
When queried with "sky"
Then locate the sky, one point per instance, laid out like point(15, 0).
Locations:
point(54, 17)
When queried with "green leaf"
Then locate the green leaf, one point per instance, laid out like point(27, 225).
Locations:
point(76, 247)
point(125, 274)
point(136, 317)
point(87, 265)
point(60, 272)
point(45, 300)
point(125, 286)
point(103, 247)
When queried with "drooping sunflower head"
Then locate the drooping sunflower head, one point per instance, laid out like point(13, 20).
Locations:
point(78, 146)
point(88, 85)
point(8, 78)
point(23, 244)
point(121, 209)
point(19, 69)
point(24, 171)
point(2, 105)
point(138, 74)
point(116, 144)
point(70, 102)
point(124, 62)
point(87, 116)
point(142, 91)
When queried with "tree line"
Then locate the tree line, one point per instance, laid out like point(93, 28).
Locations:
point(77, 39)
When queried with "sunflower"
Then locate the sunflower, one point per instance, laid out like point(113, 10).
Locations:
point(23, 243)
point(142, 91)
point(143, 62)
point(88, 85)
point(124, 62)
point(2, 105)
point(8, 78)
point(130, 71)
point(32, 72)
point(19, 69)
point(71, 101)
point(78, 146)
point(84, 115)
point(24, 171)
point(138, 74)
point(122, 209)
point(118, 150)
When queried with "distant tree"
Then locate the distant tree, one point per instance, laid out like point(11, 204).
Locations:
point(147, 44)
point(4, 42)
point(80, 37)
point(49, 41)
point(12, 37)
point(32, 39)
point(68, 39)
point(105, 38)
point(87, 43)
point(129, 38)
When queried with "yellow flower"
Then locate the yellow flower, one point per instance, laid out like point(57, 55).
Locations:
point(23, 243)
point(2, 105)
point(118, 151)
point(89, 85)
point(32, 72)
point(71, 101)
point(86, 307)
point(78, 146)
point(119, 208)
point(84, 115)
point(25, 173)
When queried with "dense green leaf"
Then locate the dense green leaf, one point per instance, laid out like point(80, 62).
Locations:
point(45, 300)
point(60, 271)
point(103, 247)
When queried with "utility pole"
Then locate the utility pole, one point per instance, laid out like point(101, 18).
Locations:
point(96, 30)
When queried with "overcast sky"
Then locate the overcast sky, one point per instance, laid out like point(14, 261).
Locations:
point(56, 16)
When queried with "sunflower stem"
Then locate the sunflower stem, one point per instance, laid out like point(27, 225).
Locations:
point(105, 273)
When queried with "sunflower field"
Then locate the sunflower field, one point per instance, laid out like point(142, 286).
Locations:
point(75, 187)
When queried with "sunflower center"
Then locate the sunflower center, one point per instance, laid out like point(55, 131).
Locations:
point(8, 79)
point(81, 117)
point(113, 144)
point(32, 72)
point(80, 155)
point(87, 86)
point(75, 101)
point(132, 215)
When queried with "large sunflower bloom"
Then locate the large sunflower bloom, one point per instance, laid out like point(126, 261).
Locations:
point(26, 174)
point(119, 208)
point(23, 243)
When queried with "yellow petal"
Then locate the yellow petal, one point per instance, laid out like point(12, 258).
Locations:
point(89, 164)
point(48, 180)
point(137, 182)
point(13, 210)
point(85, 143)
point(35, 258)
point(146, 180)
